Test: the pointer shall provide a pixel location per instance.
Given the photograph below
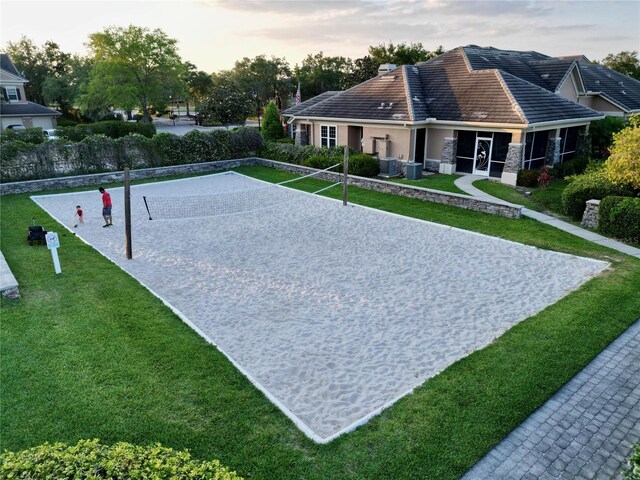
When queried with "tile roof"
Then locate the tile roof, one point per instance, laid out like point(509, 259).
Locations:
point(467, 84)
point(29, 109)
point(307, 103)
point(612, 85)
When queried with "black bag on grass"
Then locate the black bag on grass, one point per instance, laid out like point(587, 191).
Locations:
point(37, 234)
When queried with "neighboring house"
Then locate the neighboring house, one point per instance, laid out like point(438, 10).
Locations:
point(14, 107)
point(472, 110)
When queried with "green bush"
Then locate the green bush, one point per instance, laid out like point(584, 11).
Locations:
point(93, 460)
point(320, 162)
point(297, 154)
point(528, 178)
point(271, 124)
point(99, 153)
point(30, 135)
point(589, 186)
point(363, 165)
point(575, 166)
point(632, 472)
point(620, 218)
point(601, 132)
point(111, 128)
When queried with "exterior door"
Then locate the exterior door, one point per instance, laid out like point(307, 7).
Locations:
point(483, 156)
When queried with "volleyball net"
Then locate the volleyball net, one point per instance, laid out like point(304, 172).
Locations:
point(163, 207)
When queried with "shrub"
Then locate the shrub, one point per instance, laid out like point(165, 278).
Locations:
point(601, 132)
point(545, 178)
point(320, 162)
point(112, 129)
point(297, 154)
point(633, 470)
point(245, 141)
point(620, 218)
point(363, 165)
point(575, 166)
point(586, 187)
point(623, 166)
point(271, 125)
point(90, 459)
point(528, 178)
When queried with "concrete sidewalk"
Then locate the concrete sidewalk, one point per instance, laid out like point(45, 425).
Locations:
point(465, 182)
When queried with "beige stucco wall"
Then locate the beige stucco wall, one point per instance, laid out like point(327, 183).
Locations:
point(399, 138)
point(435, 142)
point(568, 88)
point(601, 105)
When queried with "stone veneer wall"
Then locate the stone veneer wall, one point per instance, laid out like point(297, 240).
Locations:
point(512, 164)
point(449, 151)
point(462, 201)
point(553, 151)
point(591, 213)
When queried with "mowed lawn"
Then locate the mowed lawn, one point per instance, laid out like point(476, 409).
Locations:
point(91, 353)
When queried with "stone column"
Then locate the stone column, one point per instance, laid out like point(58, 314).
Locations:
point(449, 151)
point(301, 135)
point(590, 215)
point(553, 151)
point(512, 164)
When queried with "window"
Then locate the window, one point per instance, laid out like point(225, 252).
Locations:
point(328, 135)
point(568, 143)
point(535, 150)
point(12, 93)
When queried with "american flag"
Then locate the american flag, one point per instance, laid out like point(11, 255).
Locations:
point(298, 96)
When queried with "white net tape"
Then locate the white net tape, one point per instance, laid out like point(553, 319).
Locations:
point(226, 203)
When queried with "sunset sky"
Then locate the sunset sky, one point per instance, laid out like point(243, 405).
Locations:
point(213, 34)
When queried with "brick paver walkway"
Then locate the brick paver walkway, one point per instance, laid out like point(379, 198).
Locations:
point(584, 431)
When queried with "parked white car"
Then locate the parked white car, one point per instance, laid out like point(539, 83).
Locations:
point(50, 134)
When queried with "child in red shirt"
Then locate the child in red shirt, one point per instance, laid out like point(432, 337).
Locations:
point(80, 216)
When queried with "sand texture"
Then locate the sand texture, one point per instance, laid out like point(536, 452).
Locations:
point(333, 312)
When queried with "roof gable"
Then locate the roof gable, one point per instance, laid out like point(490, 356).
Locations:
point(7, 66)
point(614, 86)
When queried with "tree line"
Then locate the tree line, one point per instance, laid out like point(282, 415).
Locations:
point(133, 68)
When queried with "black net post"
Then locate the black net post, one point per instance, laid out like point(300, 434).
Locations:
point(127, 213)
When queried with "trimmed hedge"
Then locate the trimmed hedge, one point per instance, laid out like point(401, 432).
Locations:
point(360, 164)
point(575, 166)
point(98, 153)
point(111, 129)
point(590, 186)
point(620, 218)
point(528, 178)
point(91, 459)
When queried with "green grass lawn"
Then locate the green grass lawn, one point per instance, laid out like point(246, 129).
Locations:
point(438, 181)
point(91, 353)
point(540, 200)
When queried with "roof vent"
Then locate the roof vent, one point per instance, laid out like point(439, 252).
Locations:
point(415, 98)
point(545, 75)
point(387, 67)
point(597, 82)
point(381, 106)
point(623, 92)
point(397, 116)
point(620, 83)
point(390, 106)
point(415, 69)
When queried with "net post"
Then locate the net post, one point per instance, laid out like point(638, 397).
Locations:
point(345, 173)
point(127, 213)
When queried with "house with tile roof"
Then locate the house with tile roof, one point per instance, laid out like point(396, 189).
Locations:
point(15, 109)
point(474, 110)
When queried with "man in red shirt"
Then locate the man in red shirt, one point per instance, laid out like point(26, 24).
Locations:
point(106, 207)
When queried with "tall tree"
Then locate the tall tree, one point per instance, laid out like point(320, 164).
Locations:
point(263, 78)
point(362, 69)
point(135, 66)
point(37, 64)
point(198, 83)
point(272, 126)
point(227, 103)
point(626, 63)
point(319, 74)
point(64, 89)
point(401, 54)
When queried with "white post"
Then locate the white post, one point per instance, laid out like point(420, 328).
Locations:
point(52, 244)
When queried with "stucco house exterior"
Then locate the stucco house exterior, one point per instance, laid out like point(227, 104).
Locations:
point(15, 109)
point(474, 110)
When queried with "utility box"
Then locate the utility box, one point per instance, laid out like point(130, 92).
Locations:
point(388, 167)
point(413, 171)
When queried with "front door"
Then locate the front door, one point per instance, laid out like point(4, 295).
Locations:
point(483, 156)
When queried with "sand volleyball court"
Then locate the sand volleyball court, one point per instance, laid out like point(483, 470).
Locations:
point(333, 312)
